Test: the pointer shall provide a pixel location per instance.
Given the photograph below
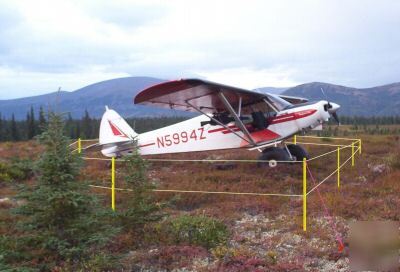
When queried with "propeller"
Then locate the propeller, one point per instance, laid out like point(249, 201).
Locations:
point(326, 97)
point(331, 107)
point(336, 117)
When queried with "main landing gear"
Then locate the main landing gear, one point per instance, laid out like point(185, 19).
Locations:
point(272, 155)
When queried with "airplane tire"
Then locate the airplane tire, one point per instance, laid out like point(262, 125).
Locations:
point(298, 152)
point(272, 155)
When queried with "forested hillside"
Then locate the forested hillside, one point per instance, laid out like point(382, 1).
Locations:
point(88, 127)
point(85, 128)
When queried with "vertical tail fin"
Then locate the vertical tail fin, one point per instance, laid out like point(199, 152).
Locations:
point(114, 129)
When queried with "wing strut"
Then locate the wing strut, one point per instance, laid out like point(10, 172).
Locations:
point(218, 122)
point(239, 122)
point(240, 106)
point(271, 105)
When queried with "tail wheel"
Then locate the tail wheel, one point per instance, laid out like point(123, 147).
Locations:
point(298, 152)
point(271, 156)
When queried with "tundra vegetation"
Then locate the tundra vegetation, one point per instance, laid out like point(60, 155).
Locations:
point(51, 220)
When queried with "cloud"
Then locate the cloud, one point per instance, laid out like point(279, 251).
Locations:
point(250, 78)
point(126, 13)
point(279, 43)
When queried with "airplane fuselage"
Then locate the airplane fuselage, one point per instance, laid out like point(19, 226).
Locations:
point(190, 136)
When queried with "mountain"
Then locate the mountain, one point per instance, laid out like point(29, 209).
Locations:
point(118, 94)
point(378, 101)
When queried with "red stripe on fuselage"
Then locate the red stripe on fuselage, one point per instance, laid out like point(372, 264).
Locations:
point(291, 116)
point(230, 131)
point(272, 121)
point(221, 129)
point(147, 145)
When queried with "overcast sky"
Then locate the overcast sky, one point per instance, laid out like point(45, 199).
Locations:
point(47, 44)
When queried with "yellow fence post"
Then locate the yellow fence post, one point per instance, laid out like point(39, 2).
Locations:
point(295, 139)
point(79, 145)
point(352, 154)
point(359, 146)
point(304, 194)
point(113, 183)
point(338, 167)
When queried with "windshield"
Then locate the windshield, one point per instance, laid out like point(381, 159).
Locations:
point(279, 103)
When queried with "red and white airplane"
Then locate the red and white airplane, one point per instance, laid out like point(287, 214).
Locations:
point(230, 118)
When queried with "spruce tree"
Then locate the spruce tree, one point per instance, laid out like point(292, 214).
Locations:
point(2, 132)
point(63, 221)
point(42, 120)
point(142, 207)
point(87, 126)
point(69, 127)
point(14, 129)
point(78, 129)
point(31, 125)
point(26, 125)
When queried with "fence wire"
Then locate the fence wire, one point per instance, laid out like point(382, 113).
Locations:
point(340, 147)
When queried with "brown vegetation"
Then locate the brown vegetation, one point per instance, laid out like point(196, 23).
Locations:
point(265, 231)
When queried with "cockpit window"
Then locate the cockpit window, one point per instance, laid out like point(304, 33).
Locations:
point(260, 106)
point(280, 103)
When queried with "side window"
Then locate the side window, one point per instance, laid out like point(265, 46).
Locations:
point(258, 107)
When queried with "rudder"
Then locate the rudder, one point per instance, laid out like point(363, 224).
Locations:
point(114, 129)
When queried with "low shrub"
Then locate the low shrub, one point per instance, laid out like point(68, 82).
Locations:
point(271, 257)
point(253, 263)
point(394, 160)
point(221, 251)
point(242, 264)
point(17, 170)
point(97, 262)
point(198, 230)
point(166, 258)
point(5, 172)
point(22, 169)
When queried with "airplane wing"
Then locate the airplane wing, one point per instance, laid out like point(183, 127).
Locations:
point(188, 94)
point(293, 99)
